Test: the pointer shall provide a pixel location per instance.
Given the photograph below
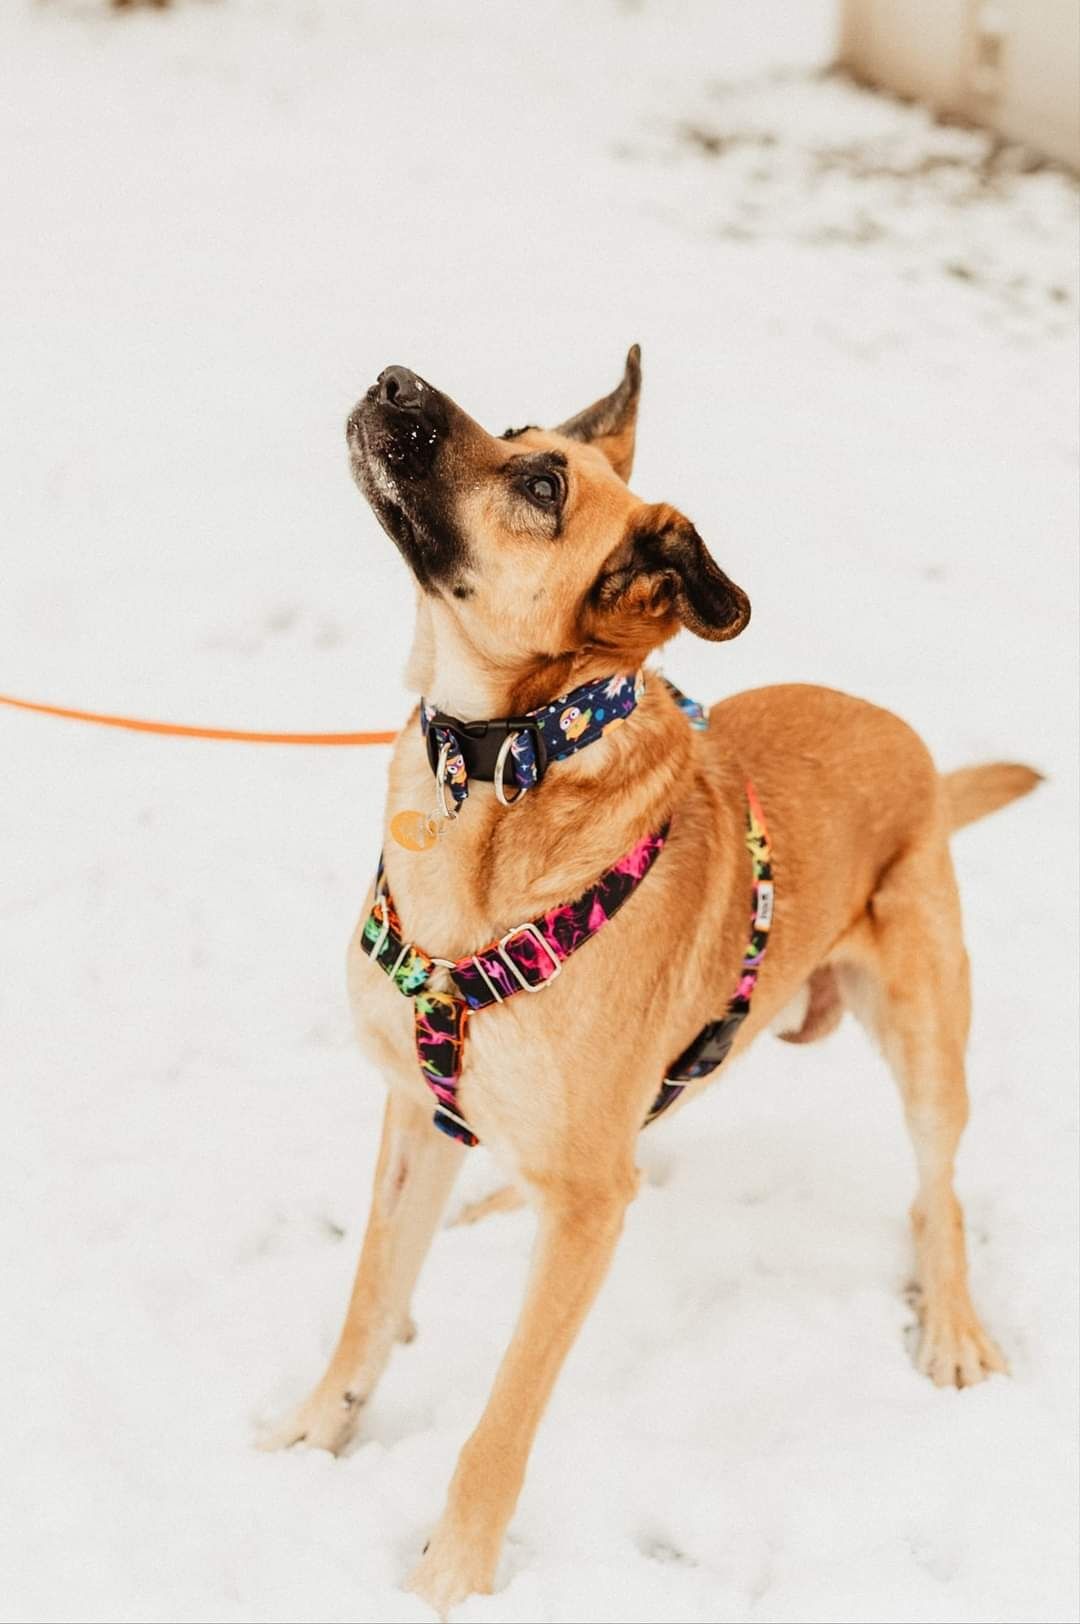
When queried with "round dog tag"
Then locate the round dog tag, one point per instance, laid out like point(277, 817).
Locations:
point(416, 831)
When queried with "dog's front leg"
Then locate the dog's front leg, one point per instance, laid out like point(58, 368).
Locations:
point(575, 1240)
point(416, 1168)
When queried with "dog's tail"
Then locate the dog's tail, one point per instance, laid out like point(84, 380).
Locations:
point(975, 792)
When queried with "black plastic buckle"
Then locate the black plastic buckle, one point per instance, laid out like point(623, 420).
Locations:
point(481, 742)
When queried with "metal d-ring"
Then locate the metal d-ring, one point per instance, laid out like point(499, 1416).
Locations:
point(451, 811)
point(500, 767)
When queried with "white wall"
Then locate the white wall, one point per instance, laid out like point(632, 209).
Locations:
point(1013, 65)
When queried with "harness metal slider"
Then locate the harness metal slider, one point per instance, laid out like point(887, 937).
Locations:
point(486, 979)
point(384, 928)
point(529, 929)
point(442, 1109)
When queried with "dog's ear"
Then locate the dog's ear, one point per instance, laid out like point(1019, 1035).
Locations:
point(609, 424)
point(662, 571)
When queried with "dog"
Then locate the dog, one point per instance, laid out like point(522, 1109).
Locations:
point(541, 578)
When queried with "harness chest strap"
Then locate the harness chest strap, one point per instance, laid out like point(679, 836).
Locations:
point(531, 955)
point(524, 960)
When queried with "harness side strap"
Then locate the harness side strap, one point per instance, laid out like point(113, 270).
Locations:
point(713, 1043)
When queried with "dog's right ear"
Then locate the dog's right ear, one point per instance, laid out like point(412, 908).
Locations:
point(610, 424)
point(662, 574)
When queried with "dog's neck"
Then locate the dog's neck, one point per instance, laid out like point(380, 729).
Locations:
point(495, 864)
point(461, 678)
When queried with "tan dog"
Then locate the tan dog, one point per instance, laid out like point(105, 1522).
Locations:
point(538, 570)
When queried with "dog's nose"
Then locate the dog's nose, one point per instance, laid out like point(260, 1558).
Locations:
point(402, 388)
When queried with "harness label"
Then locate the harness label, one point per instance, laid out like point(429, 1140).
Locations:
point(763, 917)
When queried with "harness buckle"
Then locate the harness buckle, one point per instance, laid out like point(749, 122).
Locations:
point(529, 929)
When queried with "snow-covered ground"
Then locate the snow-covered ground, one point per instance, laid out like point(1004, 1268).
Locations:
point(859, 334)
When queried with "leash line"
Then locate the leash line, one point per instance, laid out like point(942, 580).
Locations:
point(133, 724)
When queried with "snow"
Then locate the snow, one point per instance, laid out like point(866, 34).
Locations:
point(859, 336)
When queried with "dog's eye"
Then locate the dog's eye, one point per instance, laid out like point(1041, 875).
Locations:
point(544, 489)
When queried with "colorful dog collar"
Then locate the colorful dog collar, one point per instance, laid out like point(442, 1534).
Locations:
point(514, 752)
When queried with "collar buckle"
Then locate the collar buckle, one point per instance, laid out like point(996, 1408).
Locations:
point(482, 744)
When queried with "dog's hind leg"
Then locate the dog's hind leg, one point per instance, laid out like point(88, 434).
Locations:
point(576, 1237)
point(416, 1168)
point(912, 989)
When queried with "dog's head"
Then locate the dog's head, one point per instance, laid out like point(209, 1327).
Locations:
point(533, 540)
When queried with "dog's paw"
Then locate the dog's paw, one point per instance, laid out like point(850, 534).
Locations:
point(324, 1421)
point(955, 1351)
point(449, 1571)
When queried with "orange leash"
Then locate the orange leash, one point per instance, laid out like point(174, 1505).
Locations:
point(177, 730)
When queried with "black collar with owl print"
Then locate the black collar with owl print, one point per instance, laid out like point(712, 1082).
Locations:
point(514, 752)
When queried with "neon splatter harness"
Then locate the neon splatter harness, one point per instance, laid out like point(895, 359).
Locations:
point(530, 956)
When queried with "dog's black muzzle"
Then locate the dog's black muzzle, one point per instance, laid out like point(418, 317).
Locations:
point(401, 420)
point(396, 435)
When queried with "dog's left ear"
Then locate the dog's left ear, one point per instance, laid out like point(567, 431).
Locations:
point(609, 424)
point(663, 572)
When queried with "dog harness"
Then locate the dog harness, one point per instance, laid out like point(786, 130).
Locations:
point(531, 955)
